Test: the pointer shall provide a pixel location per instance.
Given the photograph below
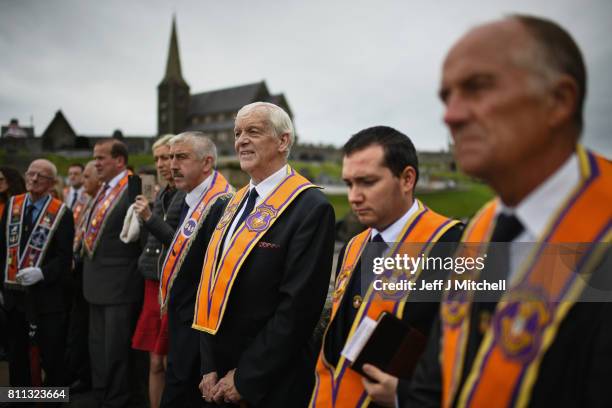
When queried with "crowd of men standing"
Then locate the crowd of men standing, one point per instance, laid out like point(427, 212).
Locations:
point(225, 287)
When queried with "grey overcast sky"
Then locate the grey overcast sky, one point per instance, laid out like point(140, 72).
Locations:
point(343, 65)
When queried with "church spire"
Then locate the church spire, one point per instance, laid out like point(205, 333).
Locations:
point(173, 66)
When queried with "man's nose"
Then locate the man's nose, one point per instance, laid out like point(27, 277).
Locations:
point(456, 111)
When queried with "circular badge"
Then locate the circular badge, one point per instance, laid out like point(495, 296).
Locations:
point(189, 228)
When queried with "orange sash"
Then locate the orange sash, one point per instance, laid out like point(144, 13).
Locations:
point(341, 386)
point(219, 187)
point(529, 314)
point(42, 232)
point(79, 206)
point(79, 224)
point(99, 214)
point(216, 282)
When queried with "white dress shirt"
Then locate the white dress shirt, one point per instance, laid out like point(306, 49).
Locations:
point(263, 188)
point(391, 234)
point(536, 211)
point(193, 197)
point(70, 198)
point(114, 181)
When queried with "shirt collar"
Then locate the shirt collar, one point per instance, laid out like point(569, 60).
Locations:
point(115, 180)
point(391, 233)
point(38, 204)
point(192, 197)
point(536, 210)
point(267, 185)
point(78, 190)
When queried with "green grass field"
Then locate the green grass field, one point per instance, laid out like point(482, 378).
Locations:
point(457, 203)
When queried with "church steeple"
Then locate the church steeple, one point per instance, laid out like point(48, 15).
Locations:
point(172, 92)
point(173, 65)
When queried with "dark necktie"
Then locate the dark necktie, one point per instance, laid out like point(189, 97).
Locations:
point(497, 266)
point(74, 199)
point(507, 228)
point(184, 211)
point(26, 229)
point(250, 204)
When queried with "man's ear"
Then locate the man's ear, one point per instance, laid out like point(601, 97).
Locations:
point(408, 179)
point(285, 141)
point(564, 96)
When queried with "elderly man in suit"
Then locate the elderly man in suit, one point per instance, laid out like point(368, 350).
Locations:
point(36, 235)
point(514, 92)
point(266, 274)
point(111, 283)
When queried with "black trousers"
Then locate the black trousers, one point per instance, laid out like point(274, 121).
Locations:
point(118, 372)
point(183, 370)
point(50, 338)
point(77, 347)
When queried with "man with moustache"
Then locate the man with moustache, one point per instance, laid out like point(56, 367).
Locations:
point(112, 284)
point(266, 274)
point(380, 168)
point(151, 334)
point(78, 350)
point(193, 157)
point(514, 92)
point(36, 235)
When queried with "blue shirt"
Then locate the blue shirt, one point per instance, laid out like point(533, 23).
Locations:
point(38, 205)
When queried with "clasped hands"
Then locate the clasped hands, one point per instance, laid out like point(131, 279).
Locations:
point(223, 390)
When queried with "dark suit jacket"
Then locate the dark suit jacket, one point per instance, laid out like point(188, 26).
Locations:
point(47, 296)
point(274, 307)
point(159, 231)
point(111, 275)
point(576, 371)
point(420, 313)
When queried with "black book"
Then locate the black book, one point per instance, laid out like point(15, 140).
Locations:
point(393, 346)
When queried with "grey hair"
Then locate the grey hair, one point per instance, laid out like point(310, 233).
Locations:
point(162, 141)
point(201, 144)
point(278, 118)
point(52, 166)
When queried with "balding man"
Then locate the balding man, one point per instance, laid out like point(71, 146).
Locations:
point(112, 285)
point(266, 274)
point(36, 253)
point(514, 93)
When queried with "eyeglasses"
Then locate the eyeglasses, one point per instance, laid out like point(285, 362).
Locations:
point(32, 174)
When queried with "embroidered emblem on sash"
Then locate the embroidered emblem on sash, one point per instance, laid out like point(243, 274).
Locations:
point(227, 216)
point(260, 219)
point(519, 324)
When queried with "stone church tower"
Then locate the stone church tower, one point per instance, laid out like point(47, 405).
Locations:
point(172, 92)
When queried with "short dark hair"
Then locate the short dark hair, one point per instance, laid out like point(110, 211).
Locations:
point(79, 165)
point(399, 152)
point(561, 54)
point(118, 148)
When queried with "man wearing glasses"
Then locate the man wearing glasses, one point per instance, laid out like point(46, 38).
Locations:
point(36, 234)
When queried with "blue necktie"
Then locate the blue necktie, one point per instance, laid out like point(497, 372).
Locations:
point(184, 211)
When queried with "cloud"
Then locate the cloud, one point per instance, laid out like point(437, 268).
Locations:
point(343, 65)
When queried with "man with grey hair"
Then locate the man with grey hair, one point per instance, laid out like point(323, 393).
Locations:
point(36, 235)
point(265, 275)
point(514, 92)
point(205, 193)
